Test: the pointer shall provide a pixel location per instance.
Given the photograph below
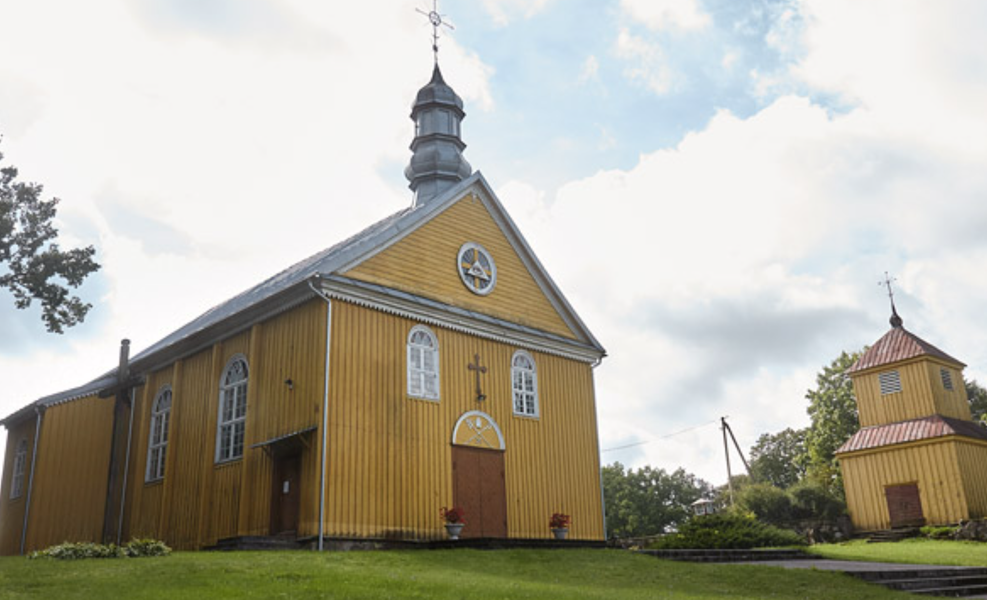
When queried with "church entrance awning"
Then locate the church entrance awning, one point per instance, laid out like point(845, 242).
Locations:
point(287, 444)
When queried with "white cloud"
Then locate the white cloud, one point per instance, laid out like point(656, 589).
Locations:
point(686, 15)
point(649, 66)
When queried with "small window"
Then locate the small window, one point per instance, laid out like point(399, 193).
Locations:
point(157, 445)
point(232, 411)
point(947, 378)
point(423, 363)
point(20, 466)
point(524, 378)
point(890, 382)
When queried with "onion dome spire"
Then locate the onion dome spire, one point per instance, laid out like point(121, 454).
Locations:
point(437, 161)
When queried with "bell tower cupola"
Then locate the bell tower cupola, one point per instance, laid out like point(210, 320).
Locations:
point(437, 161)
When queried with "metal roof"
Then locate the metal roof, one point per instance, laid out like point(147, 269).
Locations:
point(914, 430)
point(897, 345)
point(338, 258)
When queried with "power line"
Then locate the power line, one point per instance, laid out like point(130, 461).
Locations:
point(663, 437)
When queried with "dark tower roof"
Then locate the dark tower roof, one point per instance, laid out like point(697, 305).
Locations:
point(437, 161)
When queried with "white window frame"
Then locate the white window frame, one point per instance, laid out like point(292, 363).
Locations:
point(524, 385)
point(231, 423)
point(419, 374)
point(157, 438)
point(20, 467)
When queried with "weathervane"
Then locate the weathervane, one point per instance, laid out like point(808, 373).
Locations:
point(887, 281)
point(436, 20)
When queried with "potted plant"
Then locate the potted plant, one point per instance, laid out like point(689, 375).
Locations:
point(559, 523)
point(454, 518)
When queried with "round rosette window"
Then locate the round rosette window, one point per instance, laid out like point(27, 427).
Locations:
point(477, 268)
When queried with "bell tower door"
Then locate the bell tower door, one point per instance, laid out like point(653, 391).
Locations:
point(904, 505)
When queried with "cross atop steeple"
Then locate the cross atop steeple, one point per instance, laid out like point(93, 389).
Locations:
point(436, 20)
point(887, 281)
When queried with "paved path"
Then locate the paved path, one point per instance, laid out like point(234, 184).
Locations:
point(848, 566)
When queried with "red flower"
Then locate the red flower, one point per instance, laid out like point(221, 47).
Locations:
point(560, 521)
point(454, 515)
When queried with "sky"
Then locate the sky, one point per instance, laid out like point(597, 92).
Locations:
point(717, 186)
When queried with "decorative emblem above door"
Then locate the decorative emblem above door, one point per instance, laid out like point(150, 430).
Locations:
point(476, 268)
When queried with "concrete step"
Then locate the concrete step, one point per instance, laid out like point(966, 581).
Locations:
point(954, 582)
point(257, 542)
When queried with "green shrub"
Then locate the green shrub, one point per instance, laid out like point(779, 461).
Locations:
point(146, 547)
point(766, 502)
point(727, 530)
point(812, 500)
point(939, 533)
point(79, 550)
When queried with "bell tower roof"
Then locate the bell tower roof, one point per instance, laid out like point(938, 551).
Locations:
point(437, 161)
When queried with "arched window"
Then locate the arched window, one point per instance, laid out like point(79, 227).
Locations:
point(232, 410)
point(20, 466)
point(524, 378)
point(157, 445)
point(423, 363)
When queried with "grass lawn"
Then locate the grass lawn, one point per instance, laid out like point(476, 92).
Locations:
point(440, 574)
point(916, 550)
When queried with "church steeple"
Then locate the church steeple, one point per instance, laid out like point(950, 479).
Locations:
point(437, 162)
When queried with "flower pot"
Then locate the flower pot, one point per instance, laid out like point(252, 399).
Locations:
point(453, 530)
point(560, 532)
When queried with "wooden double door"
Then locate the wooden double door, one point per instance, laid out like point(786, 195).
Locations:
point(479, 488)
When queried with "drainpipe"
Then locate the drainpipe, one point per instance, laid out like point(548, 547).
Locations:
point(323, 461)
point(30, 481)
point(596, 415)
point(126, 468)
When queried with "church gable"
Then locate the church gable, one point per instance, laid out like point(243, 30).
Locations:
point(426, 262)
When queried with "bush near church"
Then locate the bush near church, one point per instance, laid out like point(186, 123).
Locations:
point(727, 531)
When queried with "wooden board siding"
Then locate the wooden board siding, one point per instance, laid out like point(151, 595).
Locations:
point(390, 455)
point(12, 510)
point(933, 465)
point(973, 466)
point(424, 263)
point(949, 403)
point(70, 479)
point(921, 395)
point(199, 501)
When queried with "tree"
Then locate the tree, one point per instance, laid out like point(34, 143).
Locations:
point(780, 458)
point(833, 411)
point(977, 397)
point(648, 501)
point(32, 266)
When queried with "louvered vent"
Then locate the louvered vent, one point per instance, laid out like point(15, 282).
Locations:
point(890, 382)
point(947, 378)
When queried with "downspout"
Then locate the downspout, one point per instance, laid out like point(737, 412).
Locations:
point(323, 461)
point(603, 498)
point(126, 468)
point(30, 480)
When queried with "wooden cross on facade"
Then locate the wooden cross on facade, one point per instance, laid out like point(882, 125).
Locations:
point(476, 367)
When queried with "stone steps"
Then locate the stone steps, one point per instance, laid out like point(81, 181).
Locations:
point(956, 582)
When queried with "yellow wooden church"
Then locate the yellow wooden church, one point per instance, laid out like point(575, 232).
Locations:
point(918, 459)
point(427, 361)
